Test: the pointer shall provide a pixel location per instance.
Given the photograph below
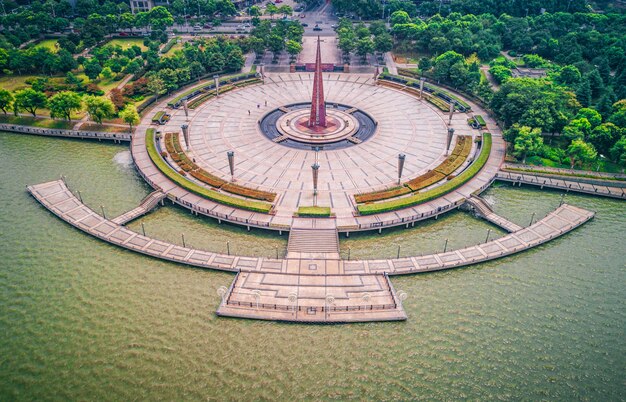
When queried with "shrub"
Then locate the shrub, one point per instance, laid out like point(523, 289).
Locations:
point(314, 212)
point(382, 195)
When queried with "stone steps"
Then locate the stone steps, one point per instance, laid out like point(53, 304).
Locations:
point(313, 241)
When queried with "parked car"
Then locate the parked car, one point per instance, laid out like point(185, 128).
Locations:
point(304, 24)
point(317, 28)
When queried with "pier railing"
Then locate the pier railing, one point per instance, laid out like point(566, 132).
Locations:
point(53, 132)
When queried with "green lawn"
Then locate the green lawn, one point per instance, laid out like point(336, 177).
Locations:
point(13, 82)
point(37, 122)
point(125, 43)
point(48, 43)
point(105, 84)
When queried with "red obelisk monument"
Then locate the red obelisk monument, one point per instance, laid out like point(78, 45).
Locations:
point(318, 105)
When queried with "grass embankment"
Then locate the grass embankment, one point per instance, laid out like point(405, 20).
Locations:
point(125, 43)
point(256, 206)
point(41, 122)
point(419, 198)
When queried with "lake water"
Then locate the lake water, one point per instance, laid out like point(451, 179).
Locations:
point(82, 319)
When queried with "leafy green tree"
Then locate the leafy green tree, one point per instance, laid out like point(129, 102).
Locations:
point(293, 48)
point(604, 136)
point(364, 47)
point(569, 75)
point(93, 68)
point(593, 117)
point(583, 93)
point(383, 43)
point(160, 18)
point(107, 73)
point(618, 152)
point(29, 100)
point(500, 73)
point(527, 143)
point(580, 152)
point(99, 108)
point(424, 64)
point(63, 104)
point(234, 60)
point(156, 86)
point(276, 44)
point(255, 11)
point(130, 116)
point(271, 10)
point(6, 100)
point(400, 17)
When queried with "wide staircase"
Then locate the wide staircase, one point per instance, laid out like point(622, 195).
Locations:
point(483, 209)
point(310, 239)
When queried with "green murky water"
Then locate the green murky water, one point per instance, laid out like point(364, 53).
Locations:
point(81, 319)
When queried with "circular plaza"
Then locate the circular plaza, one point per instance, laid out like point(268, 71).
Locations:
point(374, 162)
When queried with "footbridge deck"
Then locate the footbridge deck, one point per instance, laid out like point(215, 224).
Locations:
point(562, 184)
point(345, 281)
point(483, 209)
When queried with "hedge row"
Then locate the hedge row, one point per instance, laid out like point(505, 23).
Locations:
point(173, 147)
point(314, 212)
point(255, 206)
point(419, 198)
point(381, 195)
point(479, 119)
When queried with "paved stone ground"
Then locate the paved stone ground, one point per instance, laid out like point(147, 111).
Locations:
point(405, 125)
point(411, 127)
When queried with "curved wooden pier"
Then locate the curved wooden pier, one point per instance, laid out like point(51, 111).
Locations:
point(54, 132)
point(305, 289)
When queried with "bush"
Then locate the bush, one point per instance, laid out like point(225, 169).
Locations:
point(314, 212)
point(381, 195)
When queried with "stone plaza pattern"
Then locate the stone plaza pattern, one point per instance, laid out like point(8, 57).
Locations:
point(405, 125)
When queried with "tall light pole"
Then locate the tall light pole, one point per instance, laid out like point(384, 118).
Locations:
point(231, 164)
point(315, 169)
point(401, 158)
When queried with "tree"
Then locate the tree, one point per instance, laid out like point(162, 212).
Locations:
point(593, 117)
point(604, 136)
point(234, 60)
point(364, 47)
point(400, 17)
point(93, 68)
point(156, 86)
point(29, 100)
point(255, 11)
point(6, 100)
point(500, 73)
point(527, 143)
point(130, 116)
point(583, 93)
point(580, 152)
point(63, 104)
point(569, 75)
point(383, 43)
point(618, 152)
point(271, 10)
point(293, 48)
point(99, 108)
point(107, 73)
point(276, 44)
point(160, 18)
point(424, 64)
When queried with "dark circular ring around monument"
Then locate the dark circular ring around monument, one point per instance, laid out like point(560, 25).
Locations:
point(366, 129)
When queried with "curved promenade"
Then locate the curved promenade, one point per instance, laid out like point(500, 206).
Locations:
point(357, 288)
point(54, 132)
point(345, 222)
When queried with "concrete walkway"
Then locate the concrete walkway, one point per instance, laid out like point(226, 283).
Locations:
point(282, 277)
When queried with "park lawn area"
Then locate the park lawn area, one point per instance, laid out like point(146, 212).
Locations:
point(50, 44)
point(13, 82)
point(105, 84)
point(125, 43)
point(92, 126)
point(37, 122)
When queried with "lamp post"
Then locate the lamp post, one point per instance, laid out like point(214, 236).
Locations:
point(315, 168)
point(185, 128)
point(231, 164)
point(452, 103)
point(450, 134)
point(421, 87)
point(401, 158)
point(216, 79)
point(186, 109)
